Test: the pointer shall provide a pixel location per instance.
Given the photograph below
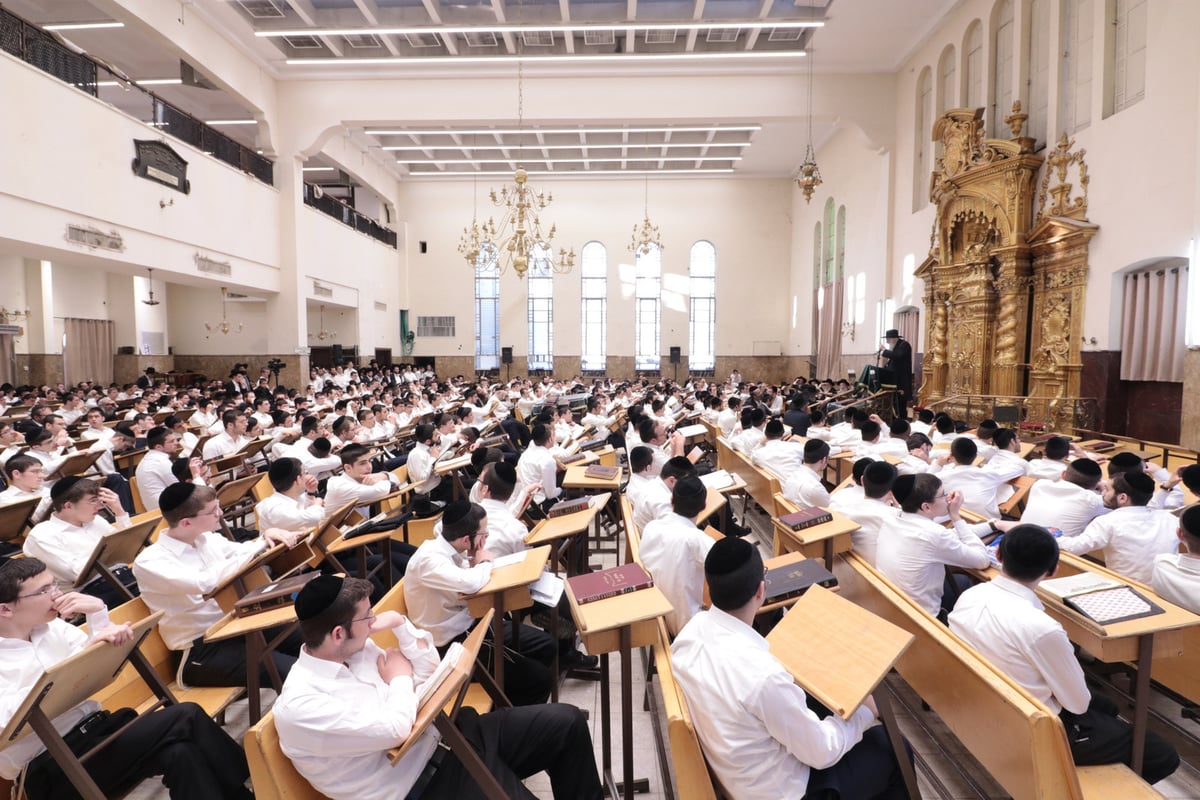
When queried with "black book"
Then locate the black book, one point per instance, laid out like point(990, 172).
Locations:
point(793, 580)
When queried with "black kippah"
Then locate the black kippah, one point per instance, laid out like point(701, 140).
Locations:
point(175, 495)
point(505, 471)
point(689, 487)
point(774, 428)
point(61, 486)
point(1140, 481)
point(1086, 467)
point(903, 487)
point(1189, 520)
point(283, 470)
point(1123, 461)
point(727, 555)
point(455, 512)
point(317, 596)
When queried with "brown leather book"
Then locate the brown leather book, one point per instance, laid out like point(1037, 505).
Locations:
point(276, 593)
point(601, 471)
point(593, 586)
point(806, 518)
point(568, 507)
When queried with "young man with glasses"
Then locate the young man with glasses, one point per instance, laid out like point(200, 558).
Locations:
point(196, 759)
point(188, 562)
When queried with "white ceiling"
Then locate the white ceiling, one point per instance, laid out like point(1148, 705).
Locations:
point(858, 36)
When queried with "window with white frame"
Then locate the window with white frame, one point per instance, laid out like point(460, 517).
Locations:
point(1002, 70)
point(540, 283)
point(923, 140)
point(1038, 70)
point(1075, 74)
point(594, 313)
point(647, 308)
point(1128, 53)
point(487, 309)
point(947, 80)
point(973, 66)
point(702, 318)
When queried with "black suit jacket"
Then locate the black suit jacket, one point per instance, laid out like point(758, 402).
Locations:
point(899, 361)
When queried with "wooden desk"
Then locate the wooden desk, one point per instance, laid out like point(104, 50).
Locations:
point(566, 526)
point(451, 467)
point(576, 478)
point(507, 589)
point(824, 541)
point(258, 650)
point(619, 624)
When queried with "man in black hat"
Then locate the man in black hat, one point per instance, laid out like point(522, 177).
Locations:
point(899, 357)
point(348, 701)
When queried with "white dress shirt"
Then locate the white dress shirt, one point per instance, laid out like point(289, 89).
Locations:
point(1165, 498)
point(915, 550)
point(1046, 469)
point(21, 665)
point(779, 457)
point(337, 721)
point(291, 514)
point(420, 469)
point(912, 465)
point(872, 517)
point(636, 487)
point(673, 550)
point(342, 489)
point(506, 533)
point(175, 576)
point(1130, 537)
point(1004, 620)
point(434, 583)
point(64, 548)
point(13, 494)
point(758, 734)
point(983, 488)
point(727, 421)
point(153, 475)
point(1063, 505)
point(1177, 578)
point(317, 467)
point(804, 488)
point(749, 441)
point(654, 502)
point(537, 466)
point(223, 445)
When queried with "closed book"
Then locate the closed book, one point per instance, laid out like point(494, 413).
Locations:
point(793, 580)
point(571, 459)
point(806, 518)
point(594, 444)
point(568, 507)
point(592, 586)
point(602, 472)
point(277, 593)
point(1101, 447)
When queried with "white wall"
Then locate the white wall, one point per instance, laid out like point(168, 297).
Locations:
point(192, 307)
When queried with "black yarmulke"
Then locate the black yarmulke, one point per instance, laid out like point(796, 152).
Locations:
point(175, 495)
point(456, 511)
point(317, 596)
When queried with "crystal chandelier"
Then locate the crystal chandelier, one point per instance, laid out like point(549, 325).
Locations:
point(645, 238)
point(323, 334)
point(808, 178)
point(223, 327)
point(517, 238)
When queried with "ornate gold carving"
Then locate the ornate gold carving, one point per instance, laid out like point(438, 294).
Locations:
point(1016, 120)
point(1058, 163)
point(1056, 342)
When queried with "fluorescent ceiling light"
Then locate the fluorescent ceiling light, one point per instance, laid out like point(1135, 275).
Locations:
point(516, 131)
point(522, 160)
point(146, 82)
point(581, 173)
point(82, 26)
point(563, 27)
point(231, 122)
point(317, 169)
point(580, 146)
point(621, 58)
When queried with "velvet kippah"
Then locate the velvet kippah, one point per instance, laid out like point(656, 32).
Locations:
point(284, 470)
point(727, 555)
point(879, 472)
point(774, 428)
point(1123, 461)
point(62, 485)
point(1086, 467)
point(688, 488)
point(505, 471)
point(1189, 520)
point(175, 495)
point(903, 487)
point(1140, 481)
point(456, 511)
point(317, 596)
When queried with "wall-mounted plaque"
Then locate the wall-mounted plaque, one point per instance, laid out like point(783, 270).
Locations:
point(158, 162)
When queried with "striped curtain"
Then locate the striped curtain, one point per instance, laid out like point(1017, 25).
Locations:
point(1152, 343)
point(88, 351)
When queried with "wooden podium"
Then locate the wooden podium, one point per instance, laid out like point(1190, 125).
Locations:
point(840, 664)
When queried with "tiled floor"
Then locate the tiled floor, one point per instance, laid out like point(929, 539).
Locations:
point(943, 765)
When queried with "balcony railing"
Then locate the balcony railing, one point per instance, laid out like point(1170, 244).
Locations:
point(34, 46)
point(347, 215)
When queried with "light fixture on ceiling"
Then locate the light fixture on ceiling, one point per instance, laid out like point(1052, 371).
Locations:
point(82, 26)
point(517, 240)
point(150, 301)
point(575, 58)
point(223, 327)
point(808, 178)
point(645, 239)
point(323, 334)
point(563, 27)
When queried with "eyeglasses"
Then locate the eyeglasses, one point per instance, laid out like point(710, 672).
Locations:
point(367, 618)
point(51, 589)
point(215, 512)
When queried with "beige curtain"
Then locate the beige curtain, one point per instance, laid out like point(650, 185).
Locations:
point(1152, 345)
point(829, 345)
point(87, 351)
point(8, 367)
point(907, 323)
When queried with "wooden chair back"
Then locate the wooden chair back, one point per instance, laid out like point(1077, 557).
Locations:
point(139, 505)
point(272, 772)
point(692, 778)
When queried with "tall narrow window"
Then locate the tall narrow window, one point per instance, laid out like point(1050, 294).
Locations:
point(1039, 70)
point(1129, 53)
point(923, 144)
point(973, 66)
point(702, 319)
point(487, 309)
point(594, 271)
point(540, 282)
point(647, 309)
point(818, 282)
point(1002, 69)
point(947, 80)
point(1076, 75)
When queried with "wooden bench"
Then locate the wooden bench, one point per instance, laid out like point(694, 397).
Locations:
point(760, 485)
point(271, 772)
point(1021, 743)
point(692, 778)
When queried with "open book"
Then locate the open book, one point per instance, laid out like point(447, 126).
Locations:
point(440, 674)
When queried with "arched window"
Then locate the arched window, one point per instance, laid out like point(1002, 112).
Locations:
point(540, 282)
point(818, 281)
point(830, 240)
point(487, 309)
point(973, 66)
point(702, 318)
point(594, 272)
point(923, 143)
point(1128, 55)
point(1075, 79)
point(947, 80)
point(1002, 69)
point(647, 308)
point(1038, 70)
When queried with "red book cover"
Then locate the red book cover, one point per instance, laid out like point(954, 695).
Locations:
point(592, 586)
point(568, 507)
point(806, 518)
